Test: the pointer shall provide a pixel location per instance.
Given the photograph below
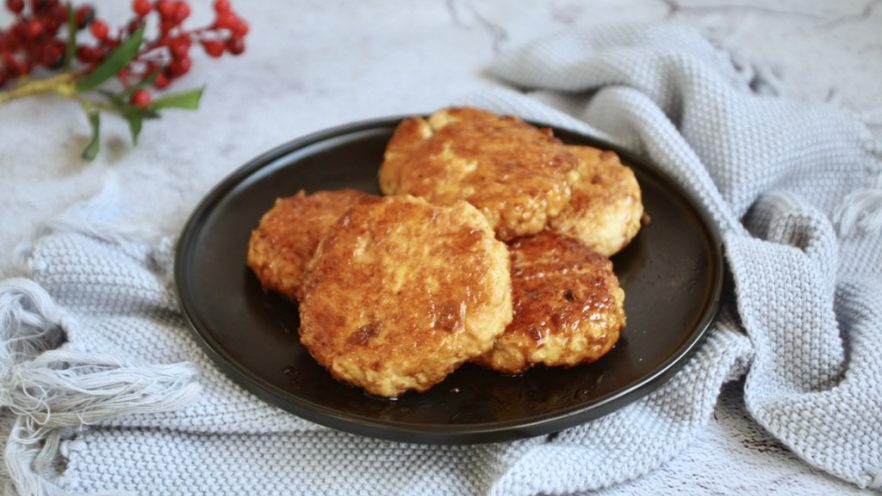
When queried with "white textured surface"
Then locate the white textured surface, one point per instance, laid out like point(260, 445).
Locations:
point(334, 62)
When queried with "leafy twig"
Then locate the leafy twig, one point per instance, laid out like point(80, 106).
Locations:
point(134, 61)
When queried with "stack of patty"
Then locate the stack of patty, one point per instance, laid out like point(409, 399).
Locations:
point(491, 246)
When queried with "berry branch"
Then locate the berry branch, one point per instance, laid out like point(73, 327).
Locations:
point(114, 70)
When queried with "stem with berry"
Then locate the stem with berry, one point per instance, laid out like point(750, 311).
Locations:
point(85, 72)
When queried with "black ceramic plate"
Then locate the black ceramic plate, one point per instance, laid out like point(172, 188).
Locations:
point(672, 275)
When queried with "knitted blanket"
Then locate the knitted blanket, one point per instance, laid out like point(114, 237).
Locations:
point(111, 394)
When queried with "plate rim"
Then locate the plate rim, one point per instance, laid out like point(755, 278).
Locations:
point(442, 433)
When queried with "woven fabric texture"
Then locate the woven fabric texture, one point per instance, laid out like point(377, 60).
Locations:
point(793, 187)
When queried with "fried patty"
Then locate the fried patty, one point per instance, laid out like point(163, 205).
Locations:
point(401, 292)
point(606, 207)
point(568, 306)
point(517, 175)
point(288, 234)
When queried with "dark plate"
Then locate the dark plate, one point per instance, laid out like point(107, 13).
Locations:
point(672, 275)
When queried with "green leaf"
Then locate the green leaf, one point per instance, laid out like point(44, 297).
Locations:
point(111, 96)
point(188, 100)
point(135, 117)
point(91, 149)
point(149, 114)
point(71, 50)
point(119, 58)
point(135, 120)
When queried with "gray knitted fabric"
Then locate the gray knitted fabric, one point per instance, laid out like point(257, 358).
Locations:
point(794, 188)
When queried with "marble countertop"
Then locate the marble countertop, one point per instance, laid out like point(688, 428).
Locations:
point(315, 64)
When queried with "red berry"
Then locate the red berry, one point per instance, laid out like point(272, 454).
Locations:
point(58, 12)
point(86, 54)
point(18, 32)
point(15, 5)
point(133, 25)
point(33, 29)
point(221, 6)
point(235, 45)
point(182, 11)
point(84, 15)
point(161, 81)
point(99, 29)
point(53, 55)
point(141, 7)
point(2, 78)
point(52, 25)
point(102, 51)
point(213, 48)
point(180, 47)
point(141, 98)
point(42, 5)
point(225, 20)
point(239, 27)
point(179, 67)
point(166, 25)
point(166, 9)
point(14, 67)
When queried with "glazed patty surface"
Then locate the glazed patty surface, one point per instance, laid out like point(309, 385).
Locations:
point(568, 306)
point(517, 175)
point(606, 207)
point(289, 233)
point(401, 292)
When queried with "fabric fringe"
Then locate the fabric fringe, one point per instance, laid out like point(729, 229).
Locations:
point(860, 211)
point(871, 117)
point(53, 391)
point(876, 481)
point(758, 77)
point(30, 324)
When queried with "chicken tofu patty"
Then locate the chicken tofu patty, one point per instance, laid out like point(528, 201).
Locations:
point(606, 207)
point(518, 176)
point(401, 292)
point(289, 233)
point(568, 306)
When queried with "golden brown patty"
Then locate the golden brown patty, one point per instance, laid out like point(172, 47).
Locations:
point(515, 174)
point(568, 306)
point(402, 292)
point(605, 208)
point(289, 233)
